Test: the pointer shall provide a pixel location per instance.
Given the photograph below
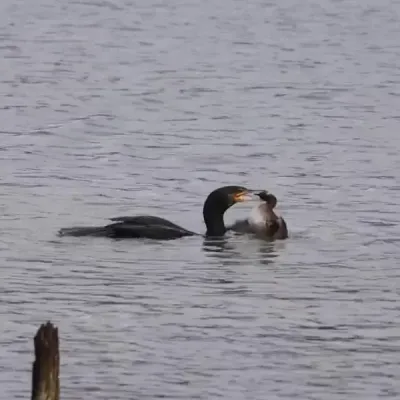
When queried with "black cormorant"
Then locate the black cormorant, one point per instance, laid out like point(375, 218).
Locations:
point(262, 220)
point(146, 226)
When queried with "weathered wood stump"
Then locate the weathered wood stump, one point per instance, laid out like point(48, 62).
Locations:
point(46, 367)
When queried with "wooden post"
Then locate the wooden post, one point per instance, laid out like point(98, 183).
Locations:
point(46, 367)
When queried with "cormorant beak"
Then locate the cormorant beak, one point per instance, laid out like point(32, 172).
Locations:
point(258, 192)
point(242, 196)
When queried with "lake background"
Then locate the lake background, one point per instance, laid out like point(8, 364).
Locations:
point(143, 107)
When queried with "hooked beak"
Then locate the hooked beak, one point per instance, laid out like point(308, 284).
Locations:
point(248, 195)
point(258, 193)
point(242, 196)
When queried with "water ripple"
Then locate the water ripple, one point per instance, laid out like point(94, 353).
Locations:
point(126, 107)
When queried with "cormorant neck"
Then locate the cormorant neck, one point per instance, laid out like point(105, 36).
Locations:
point(215, 224)
point(213, 214)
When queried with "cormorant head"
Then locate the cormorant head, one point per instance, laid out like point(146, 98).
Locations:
point(227, 196)
point(269, 198)
point(222, 198)
point(218, 202)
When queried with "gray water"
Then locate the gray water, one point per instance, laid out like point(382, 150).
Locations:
point(143, 107)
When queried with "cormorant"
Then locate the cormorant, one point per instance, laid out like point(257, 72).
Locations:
point(146, 226)
point(262, 220)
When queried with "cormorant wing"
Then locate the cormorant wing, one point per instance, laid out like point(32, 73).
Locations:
point(146, 220)
point(134, 230)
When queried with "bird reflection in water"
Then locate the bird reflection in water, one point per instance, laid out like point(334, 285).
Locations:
point(241, 251)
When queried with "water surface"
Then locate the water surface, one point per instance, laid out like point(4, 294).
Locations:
point(135, 107)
